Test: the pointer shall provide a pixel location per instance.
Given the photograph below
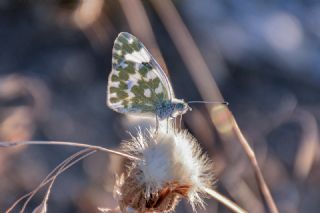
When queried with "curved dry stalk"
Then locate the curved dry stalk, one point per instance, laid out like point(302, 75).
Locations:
point(66, 164)
point(42, 208)
point(204, 81)
point(188, 50)
point(45, 180)
point(64, 143)
point(61, 168)
point(225, 201)
point(252, 157)
point(306, 153)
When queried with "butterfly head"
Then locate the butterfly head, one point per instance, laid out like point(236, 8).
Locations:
point(180, 107)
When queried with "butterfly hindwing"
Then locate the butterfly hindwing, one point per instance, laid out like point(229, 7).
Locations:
point(136, 83)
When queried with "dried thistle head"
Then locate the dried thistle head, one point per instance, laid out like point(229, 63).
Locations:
point(172, 167)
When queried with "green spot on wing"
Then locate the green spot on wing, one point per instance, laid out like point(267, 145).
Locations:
point(127, 48)
point(130, 67)
point(127, 66)
point(125, 103)
point(155, 83)
point(122, 40)
point(117, 46)
point(114, 100)
point(123, 86)
point(123, 75)
point(143, 71)
point(122, 94)
point(117, 57)
point(137, 90)
point(114, 78)
point(113, 89)
point(135, 45)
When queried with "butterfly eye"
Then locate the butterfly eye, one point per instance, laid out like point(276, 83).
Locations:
point(179, 106)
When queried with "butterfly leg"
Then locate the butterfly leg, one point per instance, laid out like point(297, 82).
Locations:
point(180, 121)
point(157, 125)
point(167, 125)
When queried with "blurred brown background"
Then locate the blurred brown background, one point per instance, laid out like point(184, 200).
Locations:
point(264, 56)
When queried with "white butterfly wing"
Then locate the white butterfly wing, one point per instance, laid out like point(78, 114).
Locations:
point(136, 83)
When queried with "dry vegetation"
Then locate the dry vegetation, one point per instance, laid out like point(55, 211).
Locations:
point(53, 88)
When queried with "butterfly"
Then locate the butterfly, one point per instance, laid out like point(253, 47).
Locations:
point(137, 85)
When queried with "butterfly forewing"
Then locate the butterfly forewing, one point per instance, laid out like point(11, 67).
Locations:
point(136, 83)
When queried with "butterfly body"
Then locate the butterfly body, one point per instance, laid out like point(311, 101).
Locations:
point(171, 109)
point(138, 85)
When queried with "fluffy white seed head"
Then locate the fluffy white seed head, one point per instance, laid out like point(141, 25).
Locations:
point(172, 165)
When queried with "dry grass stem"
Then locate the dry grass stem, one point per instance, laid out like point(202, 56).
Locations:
point(241, 192)
point(47, 179)
point(58, 170)
point(42, 208)
point(67, 163)
point(204, 80)
point(192, 58)
point(64, 143)
point(225, 201)
point(252, 157)
point(307, 151)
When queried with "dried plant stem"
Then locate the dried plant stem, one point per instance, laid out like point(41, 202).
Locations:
point(188, 50)
point(306, 154)
point(70, 161)
point(61, 167)
point(66, 164)
point(252, 157)
point(204, 81)
point(225, 201)
point(47, 179)
point(42, 208)
point(63, 143)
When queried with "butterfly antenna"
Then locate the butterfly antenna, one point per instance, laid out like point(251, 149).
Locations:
point(209, 102)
